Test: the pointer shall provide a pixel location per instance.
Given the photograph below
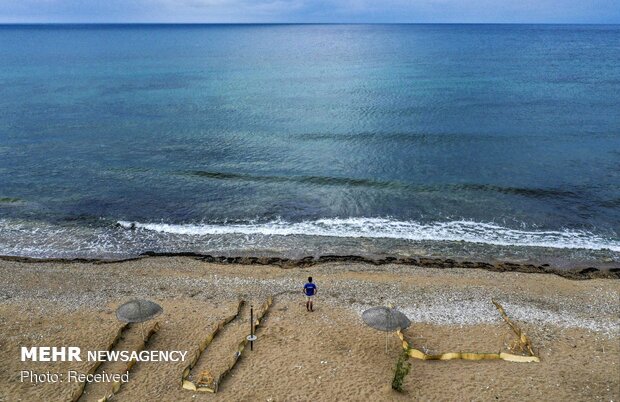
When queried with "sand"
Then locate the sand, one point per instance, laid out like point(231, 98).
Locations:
point(327, 355)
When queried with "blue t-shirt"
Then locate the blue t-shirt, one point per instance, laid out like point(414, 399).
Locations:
point(309, 289)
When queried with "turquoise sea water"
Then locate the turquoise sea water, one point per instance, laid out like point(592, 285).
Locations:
point(494, 141)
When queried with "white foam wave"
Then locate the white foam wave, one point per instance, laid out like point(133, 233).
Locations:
point(467, 231)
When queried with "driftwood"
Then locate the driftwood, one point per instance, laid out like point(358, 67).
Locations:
point(207, 381)
point(524, 341)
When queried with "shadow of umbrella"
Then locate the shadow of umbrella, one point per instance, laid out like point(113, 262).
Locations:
point(386, 319)
point(138, 310)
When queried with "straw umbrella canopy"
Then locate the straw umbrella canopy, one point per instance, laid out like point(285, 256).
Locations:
point(138, 310)
point(386, 319)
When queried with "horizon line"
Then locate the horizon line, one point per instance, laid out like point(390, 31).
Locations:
point(309, 23)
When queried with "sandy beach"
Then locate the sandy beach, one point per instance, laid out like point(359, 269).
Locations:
point(326, 355)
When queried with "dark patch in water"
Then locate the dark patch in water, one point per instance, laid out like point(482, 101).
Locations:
point(316, 180)
point(415, 137)
point(9, 200)
point(615, 203)
point(344, 181)
point(526, 192)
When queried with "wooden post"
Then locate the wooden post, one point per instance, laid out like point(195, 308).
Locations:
point(252, 326)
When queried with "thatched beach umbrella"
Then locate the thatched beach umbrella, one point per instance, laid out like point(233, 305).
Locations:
point(386, 319)
point(138, 310)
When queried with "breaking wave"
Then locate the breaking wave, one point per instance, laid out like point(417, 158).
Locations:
point(466, 231)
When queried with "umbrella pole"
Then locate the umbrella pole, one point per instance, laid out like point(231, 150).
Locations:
point(141, 323)
point(386, 341)
point(389, 321)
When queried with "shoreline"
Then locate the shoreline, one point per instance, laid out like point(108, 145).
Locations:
point(583, 273)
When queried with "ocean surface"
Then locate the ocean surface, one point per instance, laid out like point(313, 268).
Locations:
point(469, 141)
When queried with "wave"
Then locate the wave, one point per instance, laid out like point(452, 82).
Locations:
point(466, 231)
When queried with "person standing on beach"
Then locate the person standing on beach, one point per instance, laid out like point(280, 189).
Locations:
point(310, 290)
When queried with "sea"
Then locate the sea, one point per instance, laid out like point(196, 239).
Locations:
point(480, 142)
